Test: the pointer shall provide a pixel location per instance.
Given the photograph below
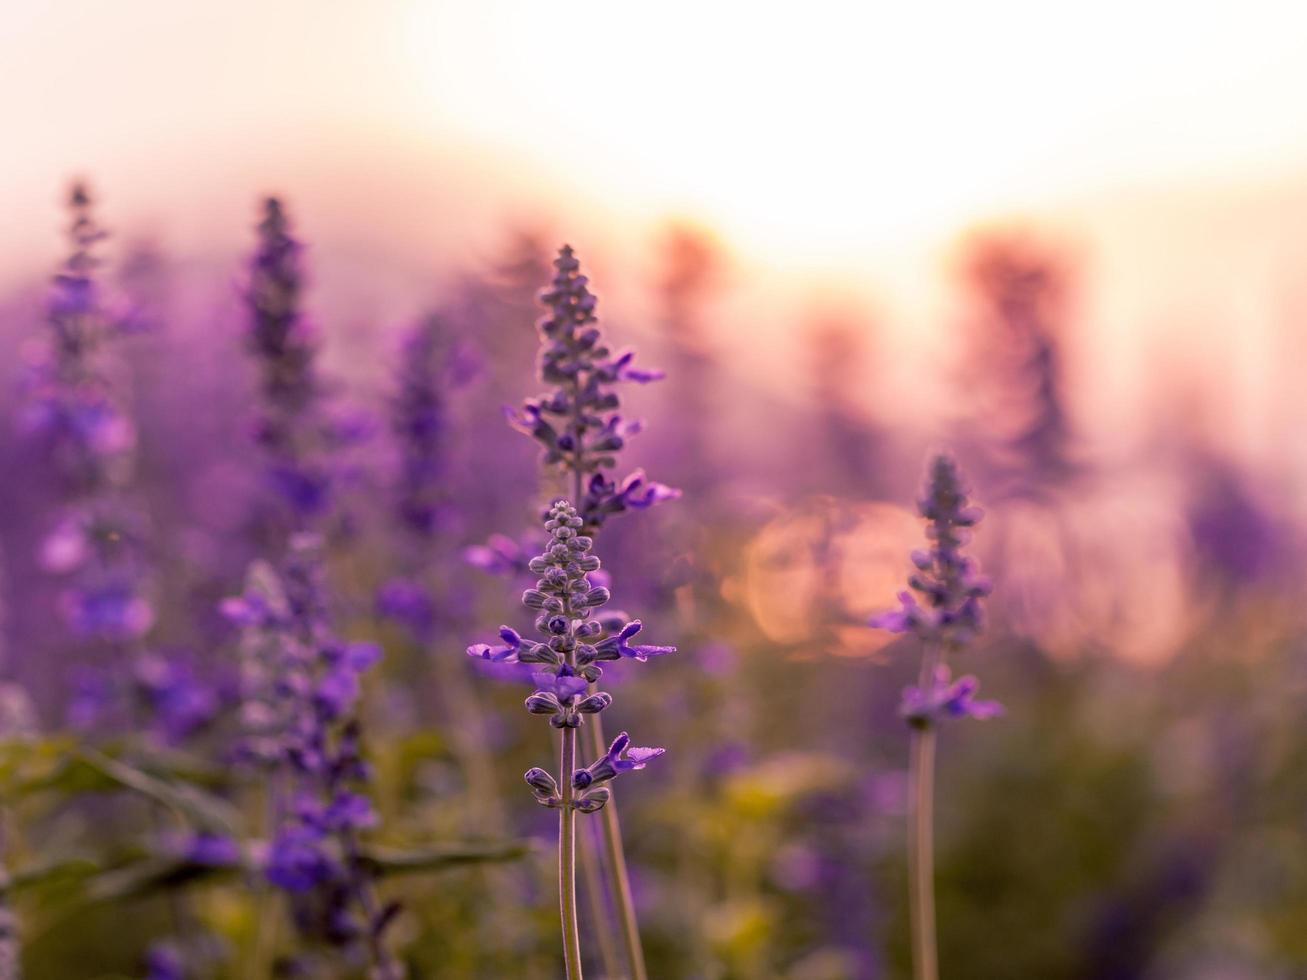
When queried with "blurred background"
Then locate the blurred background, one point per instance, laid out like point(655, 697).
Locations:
point(1065, 245)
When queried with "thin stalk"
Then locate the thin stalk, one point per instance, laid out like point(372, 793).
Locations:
point(384, 966)
point(593, 886)
point(615, 861)
point(619, 882)
point(921, 839)
point(567, 859)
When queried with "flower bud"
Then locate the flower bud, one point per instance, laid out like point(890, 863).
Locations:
point(597, 596)
point(541, 781)
point(594, 800)
point(595, 703)
point(543, 703)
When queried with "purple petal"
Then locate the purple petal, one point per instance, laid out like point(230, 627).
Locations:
point(639, 756)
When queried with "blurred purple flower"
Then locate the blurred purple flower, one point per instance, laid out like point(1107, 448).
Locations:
point(406, 602)
point(500, 555)
point(948, 581)
point(180, 701)
point(946, 698)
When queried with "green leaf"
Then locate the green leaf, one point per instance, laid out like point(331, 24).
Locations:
point(153, 874)
point(204, 809)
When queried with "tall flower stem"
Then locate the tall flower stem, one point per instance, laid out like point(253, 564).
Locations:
point(567, 858)
point(952, 588)
point(619, 881)
point(921, 837)
point(600, 910)
point(581, 431)
point(615, 862)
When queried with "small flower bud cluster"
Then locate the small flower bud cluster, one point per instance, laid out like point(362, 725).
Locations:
point(952, 588)
point(290, 427)
point(948, 581)
point(72, 399)
point(578, 423)
point(430, 366)
point(574, 643)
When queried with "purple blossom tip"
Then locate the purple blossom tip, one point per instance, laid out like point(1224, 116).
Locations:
point(621, 757)
point(505, 653)
point(946, 698)
point(948, 582)
point(640, 652)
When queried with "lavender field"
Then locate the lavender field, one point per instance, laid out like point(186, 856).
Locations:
point(479, 503)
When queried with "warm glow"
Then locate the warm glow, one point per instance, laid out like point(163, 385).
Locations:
point(839, 126)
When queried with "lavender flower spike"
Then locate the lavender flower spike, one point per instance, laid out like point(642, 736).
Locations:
point(573, 643)
point(948, 581)
point(577, 422)
point(300, 691)
point(290, 428)
point(947, 617)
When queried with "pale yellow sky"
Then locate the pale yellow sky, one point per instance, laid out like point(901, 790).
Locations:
point(825, 128)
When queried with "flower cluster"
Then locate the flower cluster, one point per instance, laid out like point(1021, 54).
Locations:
point(98, 544)
point(301, 686)
point(577, 422)
point(72, 401)
point(574, 644)
point(98, 547)
point(500, 555)
point(947, 580)
point(283, 341)
point(430, 366)
point(951, 588)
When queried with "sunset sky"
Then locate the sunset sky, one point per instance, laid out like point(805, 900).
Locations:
point(827, 139)
point(833, 127)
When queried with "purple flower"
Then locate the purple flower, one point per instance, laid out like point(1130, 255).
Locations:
point(164, 961)
point(406, 602)
point(500, 555)
point(503, 653)
point(948, 615)
point(566, 602)
point(621, 757)
point(562, 686)
point(949, 583)
point(181, 702)
point(577, 422)
point(350, 811)
point(946, 698)
point(300, 689)
point(296, 860)
point(215, 850)
point(110, 611)
point(430, 367)
point(617, 646)
point(293, 427)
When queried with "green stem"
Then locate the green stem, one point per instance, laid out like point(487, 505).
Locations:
point(619, 882)
point(593, 886)
point(567, 858)
point(921, 834)
point(619, 878)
